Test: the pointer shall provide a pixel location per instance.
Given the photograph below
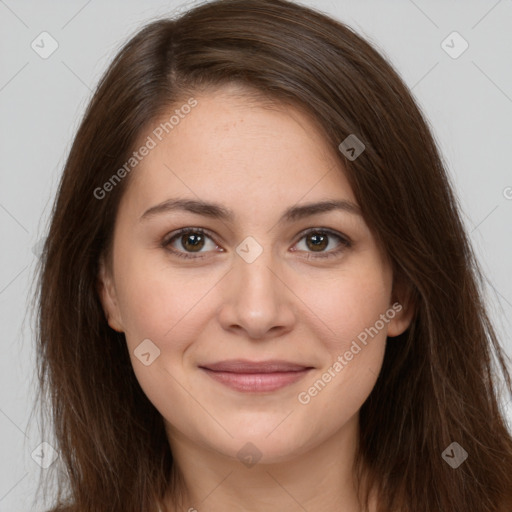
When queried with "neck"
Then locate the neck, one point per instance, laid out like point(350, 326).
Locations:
point(317, 477)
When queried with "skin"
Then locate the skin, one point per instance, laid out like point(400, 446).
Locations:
point(256, 161)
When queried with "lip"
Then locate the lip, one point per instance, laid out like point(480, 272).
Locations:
point(256, 376)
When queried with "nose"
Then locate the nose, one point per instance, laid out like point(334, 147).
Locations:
point(257, 299)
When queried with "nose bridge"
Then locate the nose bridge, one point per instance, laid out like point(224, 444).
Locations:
point(253, 269)
point(257, 300)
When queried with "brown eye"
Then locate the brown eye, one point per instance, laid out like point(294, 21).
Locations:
point(187, 241)
point(317, 240)
point(192, 241)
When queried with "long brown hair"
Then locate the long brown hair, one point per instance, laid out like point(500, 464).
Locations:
point(439, 378)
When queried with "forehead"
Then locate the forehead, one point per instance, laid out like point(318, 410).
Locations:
point(234, 149)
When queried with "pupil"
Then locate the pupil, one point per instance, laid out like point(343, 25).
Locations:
point(318, 244)
point(196, 241)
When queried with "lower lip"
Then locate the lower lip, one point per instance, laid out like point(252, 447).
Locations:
point(254, 382)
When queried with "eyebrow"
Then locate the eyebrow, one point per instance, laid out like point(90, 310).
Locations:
point(217, 211)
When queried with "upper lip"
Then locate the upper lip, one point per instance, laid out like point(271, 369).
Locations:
point(247, 366)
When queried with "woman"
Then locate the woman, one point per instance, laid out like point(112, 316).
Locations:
point(257, 292)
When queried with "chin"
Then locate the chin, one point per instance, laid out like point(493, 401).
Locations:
point(262, 448)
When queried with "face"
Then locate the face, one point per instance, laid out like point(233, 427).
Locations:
point(272, 278)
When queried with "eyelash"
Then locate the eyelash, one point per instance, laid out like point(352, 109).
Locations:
point(345, 243)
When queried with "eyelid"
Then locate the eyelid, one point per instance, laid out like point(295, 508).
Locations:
point(327, 231)
point(344, 240)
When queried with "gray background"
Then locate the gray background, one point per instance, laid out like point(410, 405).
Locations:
point(467, 100)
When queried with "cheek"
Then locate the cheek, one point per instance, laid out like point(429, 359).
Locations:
point(160, 307)
point(349, 302)
point(352, 363)
point(355, 312)
point(155, 301)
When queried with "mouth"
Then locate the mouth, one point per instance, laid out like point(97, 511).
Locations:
point(253, 376)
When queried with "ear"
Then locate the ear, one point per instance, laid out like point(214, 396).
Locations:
point(108, 296)
point(403, 305)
